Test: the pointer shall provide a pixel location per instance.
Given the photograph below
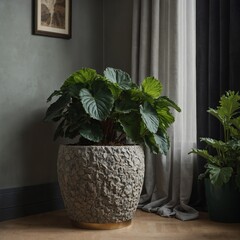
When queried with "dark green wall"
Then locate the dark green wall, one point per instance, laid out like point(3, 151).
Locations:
point(31, 67)
point(118, 34)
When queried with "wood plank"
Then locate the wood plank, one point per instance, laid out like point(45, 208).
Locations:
point(56, 225)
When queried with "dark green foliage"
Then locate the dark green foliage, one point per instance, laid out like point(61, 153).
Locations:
point(109, 109)
point(223, 162)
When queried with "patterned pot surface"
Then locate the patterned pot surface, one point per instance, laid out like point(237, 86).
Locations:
point(101, 184)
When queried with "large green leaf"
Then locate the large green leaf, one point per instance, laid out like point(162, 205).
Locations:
point(218, 176)
point(157, 143)
point(76, 119)
point(229, 106)
point(216, 114)
point(92, 131)
point(149, 117)
point(234, 144)
point(165, 118)
point(56, 108)
point(82, 76)
point(162, 143)
point(217, 144)
point(136, 94)
point(85, 75)
point(234, 132)
point(125, 104)
point(126, 107)
point(115, 89)
point(54, 94)
point(72, 131)
point(236, 123)
point(131, 125)
point(73, 90)
point(76, 111)
point(235, 128)
point(152, 87)
point(204, 153)
point(164, 101)
point(118, 76)
point(59, 132)
point(151, 143)
point(99, 102)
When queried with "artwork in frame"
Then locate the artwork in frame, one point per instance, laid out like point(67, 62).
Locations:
point(52, 18)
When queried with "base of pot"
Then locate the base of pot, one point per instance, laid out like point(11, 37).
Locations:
point(101, 226)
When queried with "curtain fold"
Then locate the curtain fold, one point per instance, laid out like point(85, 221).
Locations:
point(164, 45)
point(218, 68)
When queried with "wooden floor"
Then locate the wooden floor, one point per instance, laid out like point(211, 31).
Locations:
point(56, 226)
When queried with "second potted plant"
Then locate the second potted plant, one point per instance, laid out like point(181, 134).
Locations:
point(101, 176)
point(222, 175)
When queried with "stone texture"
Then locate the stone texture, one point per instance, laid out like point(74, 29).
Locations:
point(101, 184)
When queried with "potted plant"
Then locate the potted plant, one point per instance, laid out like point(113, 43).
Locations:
point(109, 117)
point(222, 175)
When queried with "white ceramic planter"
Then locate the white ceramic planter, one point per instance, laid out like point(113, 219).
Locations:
point(101, 185)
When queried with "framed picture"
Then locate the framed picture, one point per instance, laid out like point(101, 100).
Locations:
point(52, 18)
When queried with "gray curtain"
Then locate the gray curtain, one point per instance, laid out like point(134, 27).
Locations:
point(164, 46)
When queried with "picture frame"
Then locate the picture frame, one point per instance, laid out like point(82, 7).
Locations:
point(53, 18)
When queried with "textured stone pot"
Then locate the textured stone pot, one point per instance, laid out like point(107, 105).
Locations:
point(101, 185)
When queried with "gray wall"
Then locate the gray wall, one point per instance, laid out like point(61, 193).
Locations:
point(31, 67)
point(118, 34)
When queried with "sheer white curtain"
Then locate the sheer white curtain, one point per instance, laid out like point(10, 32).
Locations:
point(164, 46)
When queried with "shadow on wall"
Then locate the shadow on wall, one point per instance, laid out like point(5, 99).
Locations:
point(39, 151)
